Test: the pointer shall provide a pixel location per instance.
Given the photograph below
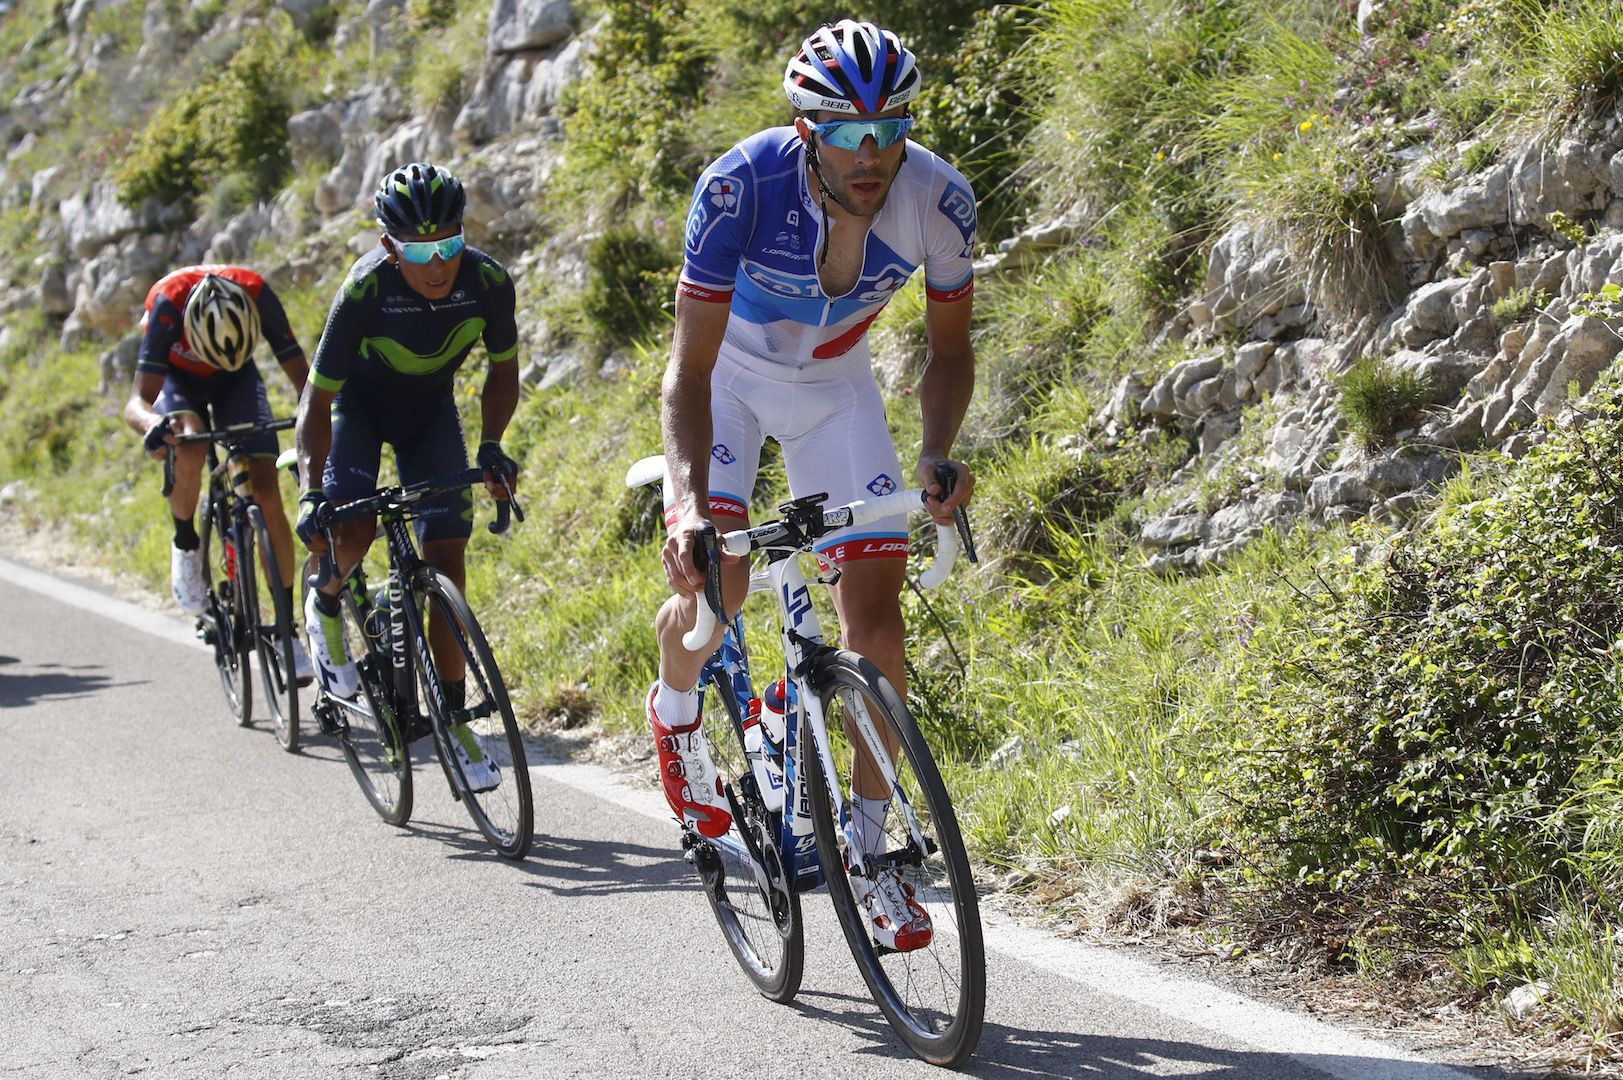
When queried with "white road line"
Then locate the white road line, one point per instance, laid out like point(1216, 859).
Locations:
point(168, 627)
point(1233, 1016)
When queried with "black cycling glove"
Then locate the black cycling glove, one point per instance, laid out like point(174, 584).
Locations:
point(305, 527)
point(495, 461)
point(153, 439)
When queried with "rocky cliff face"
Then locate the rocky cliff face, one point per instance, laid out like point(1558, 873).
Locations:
point(1257, 397)
point(1538, 231)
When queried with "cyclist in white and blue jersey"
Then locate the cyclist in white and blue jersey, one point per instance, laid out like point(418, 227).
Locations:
point(796, 240)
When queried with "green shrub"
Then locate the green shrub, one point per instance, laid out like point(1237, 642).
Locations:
point(1378, 401)
point(232, 124)
point(1519, 305)
point(1440, 737)
point(631, 278)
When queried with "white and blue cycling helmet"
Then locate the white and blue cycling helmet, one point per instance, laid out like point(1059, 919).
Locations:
point(851, 67)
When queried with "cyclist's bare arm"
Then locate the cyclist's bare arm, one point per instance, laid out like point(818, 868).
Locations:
point(313, 434)
point(685, 424)
point(138, 410)
point(297, 370)
point(947, 384)
point(497, 402)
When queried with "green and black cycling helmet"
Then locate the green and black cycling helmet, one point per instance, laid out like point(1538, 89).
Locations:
point(418, 199)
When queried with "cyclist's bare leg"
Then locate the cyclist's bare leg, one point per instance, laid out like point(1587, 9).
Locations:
point(188, 466)
point(268, 494)
point(678, 667)
point(868, 600)
point(449, 557)
point(354, 540)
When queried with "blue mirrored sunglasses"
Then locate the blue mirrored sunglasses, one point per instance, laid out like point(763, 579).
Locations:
point(422, 251)
point(848, 134)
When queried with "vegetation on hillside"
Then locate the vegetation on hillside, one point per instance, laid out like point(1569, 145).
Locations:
point(1395, 749)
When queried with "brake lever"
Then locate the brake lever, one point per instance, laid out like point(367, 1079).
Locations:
point(947, 477)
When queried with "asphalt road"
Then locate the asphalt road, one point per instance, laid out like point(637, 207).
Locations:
point(179, 898)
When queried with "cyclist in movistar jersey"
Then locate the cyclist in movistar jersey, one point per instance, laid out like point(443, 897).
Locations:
point(403, 322)
point(796, 239)
point(195, 367)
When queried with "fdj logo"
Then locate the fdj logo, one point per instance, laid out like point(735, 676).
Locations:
point(799, 604)
point(724, 193)
point(882, 485)
point(722, 454)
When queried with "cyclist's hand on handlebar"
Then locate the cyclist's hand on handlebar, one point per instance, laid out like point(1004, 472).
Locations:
point(941, 509)
point(682, 574)
point(305, 527)
point(496, 464)
point(158, 440)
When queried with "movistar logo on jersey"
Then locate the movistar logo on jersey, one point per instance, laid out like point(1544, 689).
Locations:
point(457, 343)
point(365, 287)
point(491, 275)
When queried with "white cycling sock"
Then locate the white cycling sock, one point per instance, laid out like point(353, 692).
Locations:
point(675, 708)
point(868, 823)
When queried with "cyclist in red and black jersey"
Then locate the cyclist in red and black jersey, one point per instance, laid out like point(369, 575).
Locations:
point(195, 368)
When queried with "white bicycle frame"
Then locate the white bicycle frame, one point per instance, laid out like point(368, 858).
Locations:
point(802, 634)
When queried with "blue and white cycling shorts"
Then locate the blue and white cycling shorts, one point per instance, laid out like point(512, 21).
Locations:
point(829, 419)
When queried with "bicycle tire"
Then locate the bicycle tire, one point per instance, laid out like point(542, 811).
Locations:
point(505, 814)
point(763, 926)
point(224, 598)
point(369, 737)
point(951, 969)
point(274, 644)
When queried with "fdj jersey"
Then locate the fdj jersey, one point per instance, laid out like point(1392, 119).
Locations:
point(754, 230)
point(386, 345)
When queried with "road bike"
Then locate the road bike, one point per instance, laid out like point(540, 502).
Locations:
point(402, 696)
point(789, 788)
point(233, 525)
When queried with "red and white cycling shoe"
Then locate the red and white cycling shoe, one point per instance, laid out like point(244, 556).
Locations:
point(692, 786)
point(898, 922)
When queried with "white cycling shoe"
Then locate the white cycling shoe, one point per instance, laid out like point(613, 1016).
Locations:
point(332, 662)
point(186, 580)
point(477, 769)
point(898, 922)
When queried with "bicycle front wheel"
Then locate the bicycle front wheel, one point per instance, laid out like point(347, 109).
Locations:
point(933, 995)
point(227, 589)
point(273, 641)
point(479, 742)
point(368, 730)
point(744, 877)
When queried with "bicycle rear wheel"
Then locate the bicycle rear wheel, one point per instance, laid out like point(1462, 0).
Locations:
point(934, 996)
point(222, 564)
point(273, 641)
point(760, 919)
point(368, 731)
point(504, 812)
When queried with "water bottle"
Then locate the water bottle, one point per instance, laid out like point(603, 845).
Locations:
point(768, 778)
point(774, 706)
point(237, 469)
